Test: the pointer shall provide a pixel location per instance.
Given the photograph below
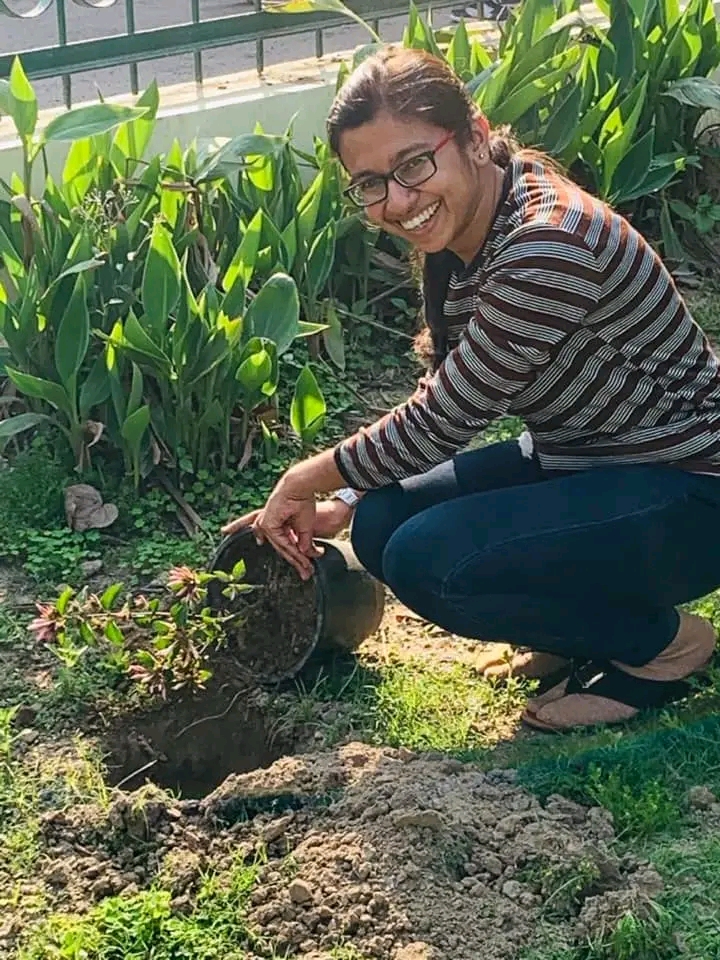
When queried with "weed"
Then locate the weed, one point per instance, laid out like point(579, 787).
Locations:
point(146, 925)
point(55, 556)
point(642, 780)
point(155, 554)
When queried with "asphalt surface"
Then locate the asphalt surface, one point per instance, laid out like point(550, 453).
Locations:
point(85, 23)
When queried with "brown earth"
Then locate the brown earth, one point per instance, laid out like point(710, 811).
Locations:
point(403, 856)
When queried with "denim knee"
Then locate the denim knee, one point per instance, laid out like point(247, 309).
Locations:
point(377, 516)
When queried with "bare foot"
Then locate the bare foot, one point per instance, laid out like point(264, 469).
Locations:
point(502, 660)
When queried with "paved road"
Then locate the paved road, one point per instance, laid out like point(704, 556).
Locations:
point(85, 23)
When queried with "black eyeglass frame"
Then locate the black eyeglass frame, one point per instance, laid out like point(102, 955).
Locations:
point(392, 175)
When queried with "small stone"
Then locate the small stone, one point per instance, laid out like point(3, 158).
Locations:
point(27, 737)
point(512, 889)
point(103, 887)
point(430, 819)
point(24, 716)
point(491, 863)
point(90, 568)
point(57, 875)
point(300, 892)
point(273, 831)
point(416, 951)
point(700, 798)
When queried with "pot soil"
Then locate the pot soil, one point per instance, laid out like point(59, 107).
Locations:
point(284, 619)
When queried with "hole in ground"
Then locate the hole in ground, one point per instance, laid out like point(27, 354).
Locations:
point(192, 745)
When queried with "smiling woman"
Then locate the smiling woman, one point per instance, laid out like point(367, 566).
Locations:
point(577, 543)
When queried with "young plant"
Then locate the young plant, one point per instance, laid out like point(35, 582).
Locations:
point(160, 645)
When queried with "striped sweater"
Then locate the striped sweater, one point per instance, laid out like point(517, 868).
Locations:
point(567, 319)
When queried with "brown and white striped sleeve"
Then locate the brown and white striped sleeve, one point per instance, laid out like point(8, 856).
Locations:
point(540, 285)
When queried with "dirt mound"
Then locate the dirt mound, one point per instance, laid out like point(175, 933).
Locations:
point(404, 857)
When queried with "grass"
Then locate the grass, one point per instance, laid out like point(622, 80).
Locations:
point(146, 925)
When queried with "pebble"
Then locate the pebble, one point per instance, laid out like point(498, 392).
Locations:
point(430, 819)
point(513, 889)
point(300, 892)
point(700, 798)
point(275, 830)
point(27, 737)
point(89, 568)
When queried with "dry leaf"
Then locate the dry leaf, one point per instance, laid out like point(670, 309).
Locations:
point(85, 510)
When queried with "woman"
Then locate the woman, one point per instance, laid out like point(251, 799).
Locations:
point(579, 541)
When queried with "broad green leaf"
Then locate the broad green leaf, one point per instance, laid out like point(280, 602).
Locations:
point(307, 212)
point(11, 258)
point(333, 336)
point(215, 351)
point(308, 329)
point(544, 79)
point(459, 53)
point(89, 121)
point(275, 311)
point(132, 431)
point(308, 409)
point(699, 92)
point(131, 139)
point(96, 388)
point(633, 168)
point(136, 390)
point(161, 280)
point(73, 335)
point(12, 426)
point(562, 125)
point(107, 600)
point(243, 263)
point(618, 131)
point(223, 158)
point(320, 260)
point(657, 179)
point(138, 338)
point(622, 37)
point(254, 371)
point(81, 167)
point(22, 101)
point(47, 390)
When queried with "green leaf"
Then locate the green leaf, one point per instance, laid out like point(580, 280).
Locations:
point(671, 242)
point(699, 92)
point(109, 597)
point(22, 101)
point(96, 388)
point(89, 121)
point(81, 167)
point(113, 634)
point(307, 411)
point(658, 177)
point(320, 260)
point(333, 336)
point(133, 430)
point(562, 125)
point(618, 131)
point(275, 311)
point(633, 167)
point(140, 341)
point(46, 390)
point(23, 421)
point(223, 157)
point(161, 280)
point(255, 370)
point(459, 53)
point(242, 265)
point(136, 390)
point(73, 335)
point(538, 85)
point(307, 329)
point(131, 139)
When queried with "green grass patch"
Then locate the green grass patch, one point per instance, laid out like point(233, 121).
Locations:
point(641, 779)
point(146, 925)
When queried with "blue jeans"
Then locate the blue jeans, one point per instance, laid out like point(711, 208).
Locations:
point(587, 565)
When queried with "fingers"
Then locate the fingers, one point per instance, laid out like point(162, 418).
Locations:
point(240, 523)
point(295, 557)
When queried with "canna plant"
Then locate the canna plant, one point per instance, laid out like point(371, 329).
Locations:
point(138, 310)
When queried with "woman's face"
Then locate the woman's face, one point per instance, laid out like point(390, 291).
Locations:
point(438, 214)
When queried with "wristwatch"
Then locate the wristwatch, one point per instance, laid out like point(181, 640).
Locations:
point(348, 497)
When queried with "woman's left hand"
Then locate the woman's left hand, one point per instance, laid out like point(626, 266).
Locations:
point(287, 522)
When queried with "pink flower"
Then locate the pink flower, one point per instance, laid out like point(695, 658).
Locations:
point(184, 583)
point(46, 626)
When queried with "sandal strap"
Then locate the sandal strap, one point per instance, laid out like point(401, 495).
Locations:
point(600, 678)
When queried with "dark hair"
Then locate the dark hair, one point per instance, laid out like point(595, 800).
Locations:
point(413, 84)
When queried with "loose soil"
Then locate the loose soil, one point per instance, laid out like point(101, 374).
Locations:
point(278, 621)
point(401, 856)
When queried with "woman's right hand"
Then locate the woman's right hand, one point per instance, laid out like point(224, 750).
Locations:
point(331, 516)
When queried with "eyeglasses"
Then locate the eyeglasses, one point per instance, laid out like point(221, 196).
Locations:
point(408, 173)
